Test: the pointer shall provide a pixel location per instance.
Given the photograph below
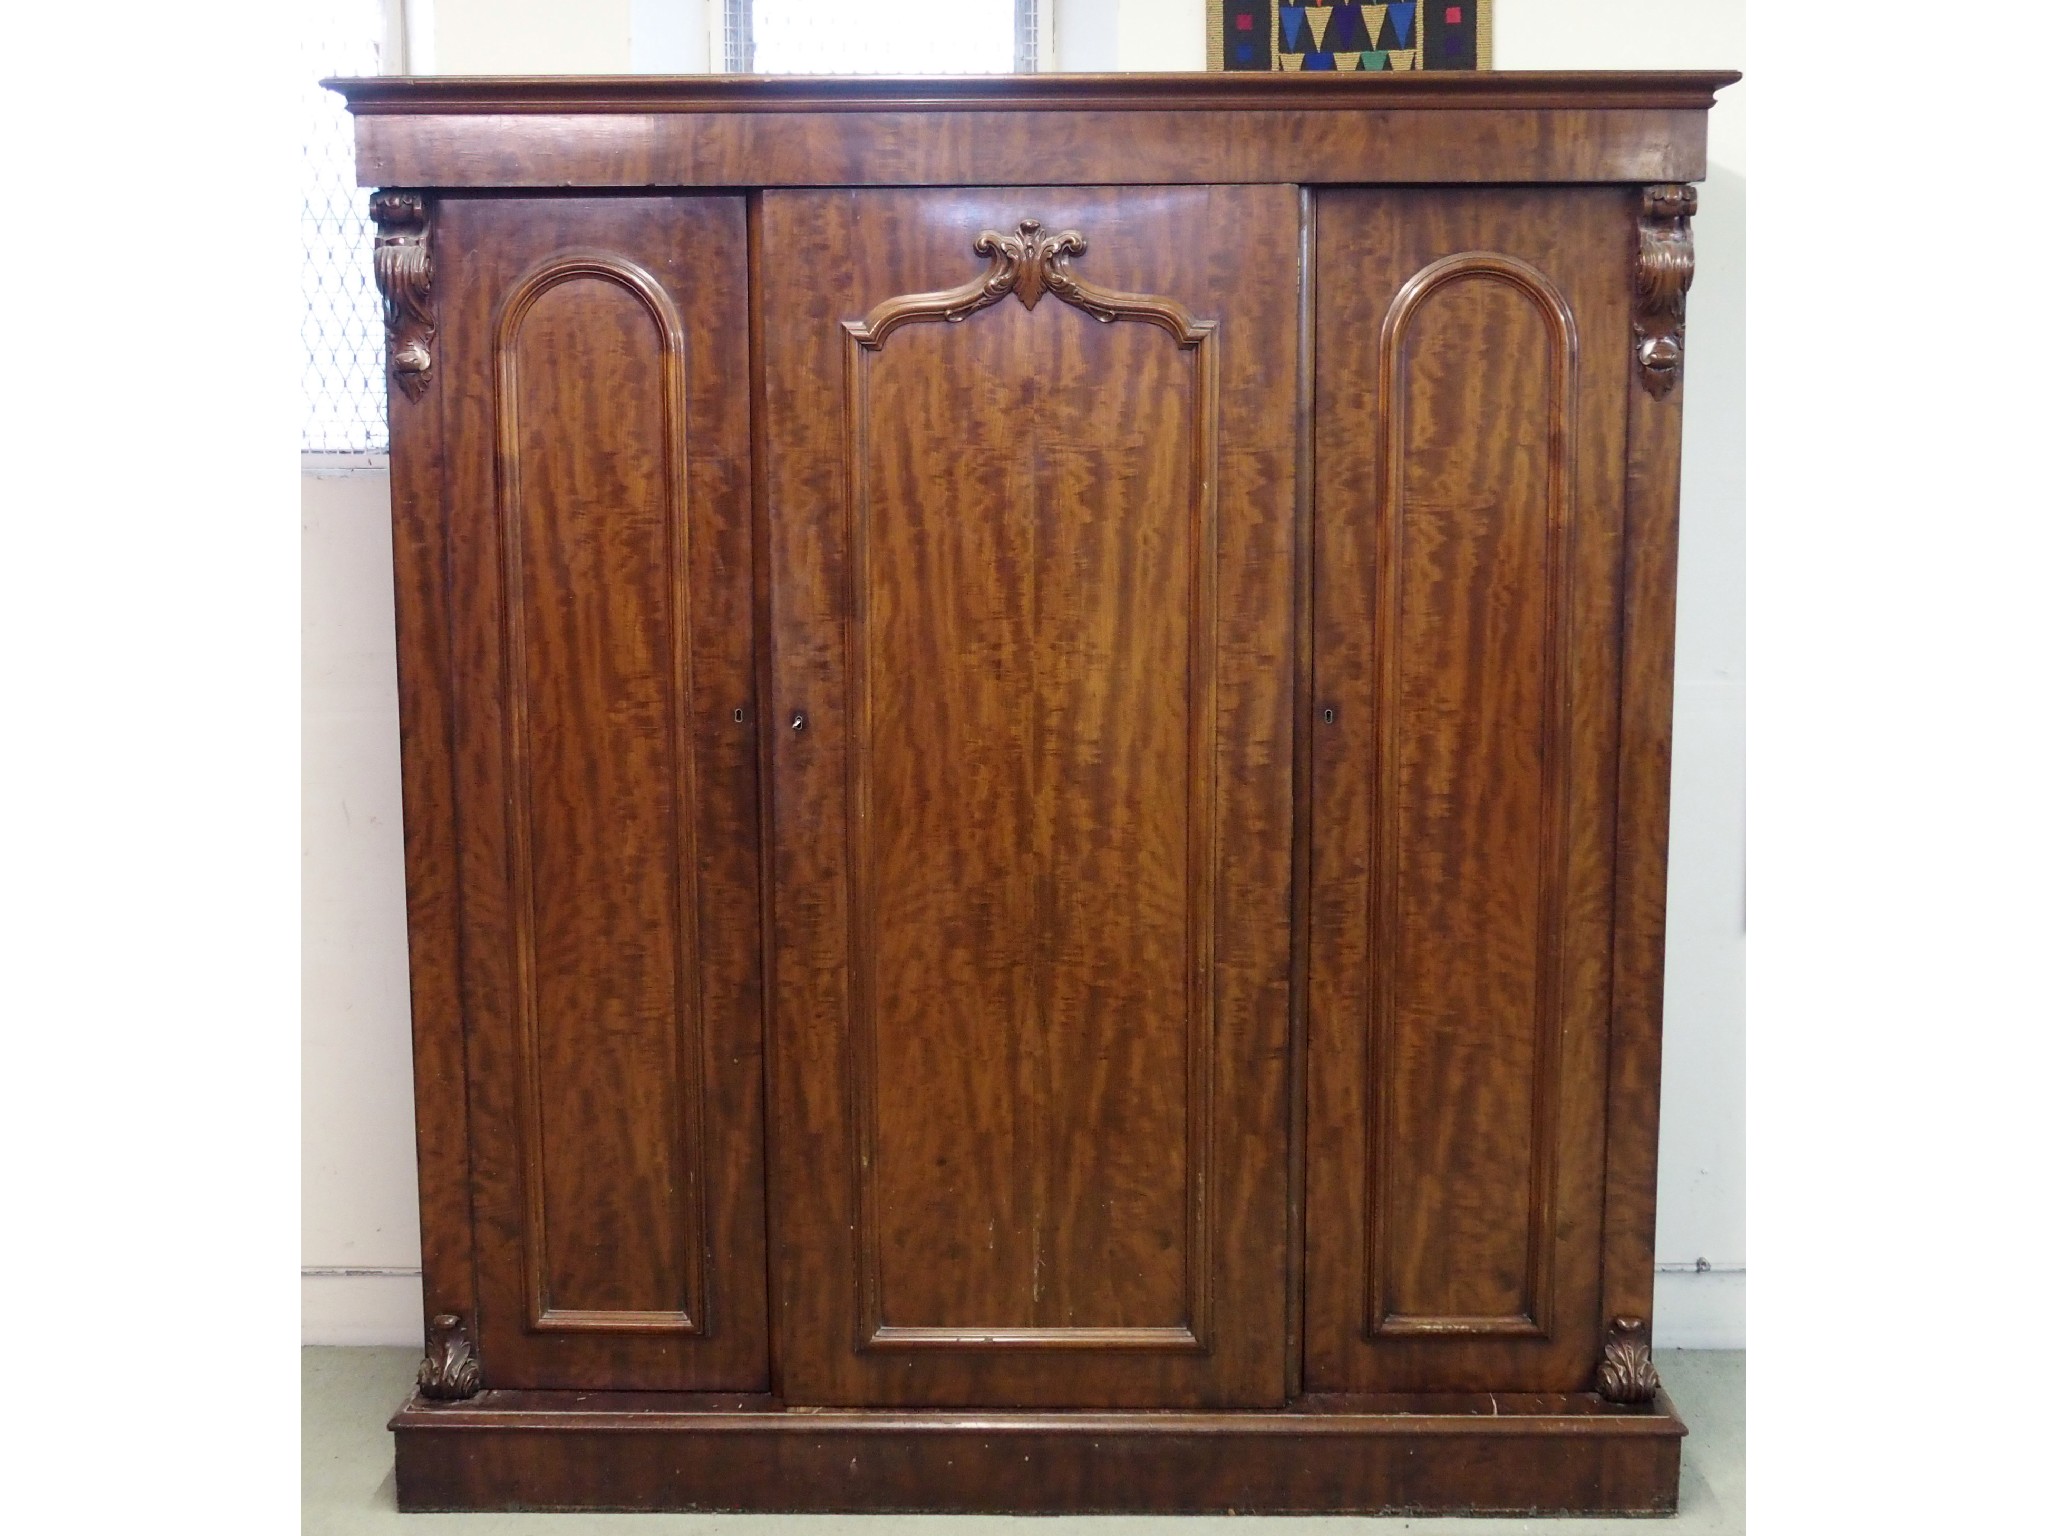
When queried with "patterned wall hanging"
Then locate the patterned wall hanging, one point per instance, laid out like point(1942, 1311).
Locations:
point(1431, 34)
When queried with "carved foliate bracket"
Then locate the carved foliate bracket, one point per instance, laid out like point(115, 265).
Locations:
point(1663, 273)
point(1626, 1374)
point(450, 1372)
point(1027, 263)
point(1030, 264)
point(405, 277)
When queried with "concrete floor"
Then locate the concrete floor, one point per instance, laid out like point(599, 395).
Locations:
point(347, 1490)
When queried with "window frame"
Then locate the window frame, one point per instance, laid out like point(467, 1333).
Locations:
point(397, 49)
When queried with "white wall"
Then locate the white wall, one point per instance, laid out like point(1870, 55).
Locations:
point(676, 37)
point(533, 37)
point(1161, 34)
point(359, 1212)
point(1087, 37)
point(359, 1223)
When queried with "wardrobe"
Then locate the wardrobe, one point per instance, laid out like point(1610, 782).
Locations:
point(1036, 717)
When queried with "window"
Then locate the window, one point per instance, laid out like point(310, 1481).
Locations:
point(881, 37)
point(341, 321)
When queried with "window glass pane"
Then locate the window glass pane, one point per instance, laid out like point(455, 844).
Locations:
point(885, 37)
point(341, 323)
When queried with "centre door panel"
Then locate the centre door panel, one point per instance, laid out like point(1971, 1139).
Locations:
point(1030, 454)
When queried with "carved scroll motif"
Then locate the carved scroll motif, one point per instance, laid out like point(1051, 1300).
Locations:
point(1663, 273)
point(405, 277)
point(1029, 264)
point(1626, 1374)
point(450, 1372)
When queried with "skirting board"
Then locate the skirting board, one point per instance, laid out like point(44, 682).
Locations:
point(1559, 1453)
point(1694, 1310)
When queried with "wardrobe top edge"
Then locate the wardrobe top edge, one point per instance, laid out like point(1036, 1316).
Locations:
point(438, 95)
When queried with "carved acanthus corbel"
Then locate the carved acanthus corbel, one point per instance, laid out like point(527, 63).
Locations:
point(1626, 1374)
point(405, 277)
point(450, 1372)
point(1663, 273)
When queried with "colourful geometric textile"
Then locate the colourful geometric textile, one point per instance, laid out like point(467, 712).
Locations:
point(1418, 34)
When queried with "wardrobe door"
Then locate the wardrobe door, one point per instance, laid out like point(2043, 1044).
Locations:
point(1030, 456)
point(599, 514)
point(1472, 375)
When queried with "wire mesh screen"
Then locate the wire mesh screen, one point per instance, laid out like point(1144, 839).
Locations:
point(739, 37)
point(342, 322)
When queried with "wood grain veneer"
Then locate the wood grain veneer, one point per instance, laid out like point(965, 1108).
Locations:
point(1036, 723)
point(708, 131)
point(1040, 673)
point(603, 629)
point(1468, 584)
point(1496, 1454)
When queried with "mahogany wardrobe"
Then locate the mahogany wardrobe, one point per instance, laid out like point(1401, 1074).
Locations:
point(1036, 717)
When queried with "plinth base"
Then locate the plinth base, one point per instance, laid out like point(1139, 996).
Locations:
point(1511, 1454)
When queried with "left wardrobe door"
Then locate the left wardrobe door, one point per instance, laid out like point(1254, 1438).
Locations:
point(591, 364)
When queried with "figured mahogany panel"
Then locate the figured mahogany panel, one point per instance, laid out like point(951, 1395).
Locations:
point(1070, 130)
point(605, 788)
point(598, 687)
point(1032, 695)
point(1476, 486)
point(1000, 479)
point(1466, 599)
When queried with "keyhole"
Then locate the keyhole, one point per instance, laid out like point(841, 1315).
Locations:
point(797, 721)
point(1329, 715)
